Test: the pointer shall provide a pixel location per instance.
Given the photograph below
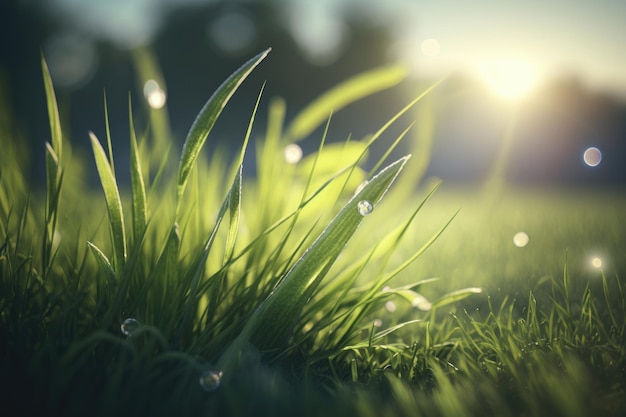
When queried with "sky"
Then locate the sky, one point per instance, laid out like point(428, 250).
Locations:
point(542, 39)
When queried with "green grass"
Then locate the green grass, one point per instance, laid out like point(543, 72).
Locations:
point(281, 297)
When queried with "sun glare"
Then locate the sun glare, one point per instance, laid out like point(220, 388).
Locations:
point(509, 79)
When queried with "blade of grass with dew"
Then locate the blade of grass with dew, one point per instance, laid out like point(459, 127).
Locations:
point(113, 202)
point(206, 119)
point(270, 325)
point(354, 89)
point(138, 188)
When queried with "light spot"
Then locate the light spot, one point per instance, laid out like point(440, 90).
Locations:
point(390, 306)
point(592, 156)
point(430, 47)
point(293, 153)
point(155, 95)
point(378, 322)
point(72, 60)
point(596, 262)
point(233, 31)
point(322, 36)
point(520, 239)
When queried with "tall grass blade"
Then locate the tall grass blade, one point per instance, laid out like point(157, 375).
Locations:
point(138, 187)
point(354, 89)
point(272, 322)
point(54, 172)
point(206, 119)
point(53, 111)
point(113, 202)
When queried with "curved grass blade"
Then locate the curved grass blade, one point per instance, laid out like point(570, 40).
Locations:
point(270, 325)
point(103, 262)
point(454, 296)
point(354, 89)
point(113, 202)
point(206, 119)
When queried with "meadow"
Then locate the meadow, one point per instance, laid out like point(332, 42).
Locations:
point(316, 287)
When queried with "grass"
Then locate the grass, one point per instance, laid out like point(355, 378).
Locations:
point(280, 295)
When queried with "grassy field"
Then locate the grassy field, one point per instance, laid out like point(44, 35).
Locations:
point(315, 288)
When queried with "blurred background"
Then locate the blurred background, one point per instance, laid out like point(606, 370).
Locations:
point(535, 90)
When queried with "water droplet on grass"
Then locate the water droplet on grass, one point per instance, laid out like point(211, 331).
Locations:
point(365, 207)
point(129, 326)
point(211, 380)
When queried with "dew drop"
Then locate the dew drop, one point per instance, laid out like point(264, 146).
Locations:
point(211, 380)
point(365, 207)
point(129, 326)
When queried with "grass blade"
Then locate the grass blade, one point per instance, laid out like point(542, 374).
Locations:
point(53, 111)
point(137, 184)
point(271, 323)
point(54, 172)
point(103, 261)
point(206, 119)
point(113, 202)
point(354, 89)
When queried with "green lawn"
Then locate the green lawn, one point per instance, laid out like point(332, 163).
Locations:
point(305, 290)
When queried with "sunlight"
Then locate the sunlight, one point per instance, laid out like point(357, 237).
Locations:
point(509, 79)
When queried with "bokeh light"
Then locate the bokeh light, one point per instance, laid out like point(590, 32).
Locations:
point(293, 153)
point(520, 239)
point(390, 306)
point(596, 262)
point(72, 60)
point(232, 31)
point(320, 34)
point(592, 156)
point(155, 95)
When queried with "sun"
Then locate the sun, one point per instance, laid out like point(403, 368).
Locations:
point(510, 79)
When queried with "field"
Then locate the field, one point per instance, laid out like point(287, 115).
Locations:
point(316, 287)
